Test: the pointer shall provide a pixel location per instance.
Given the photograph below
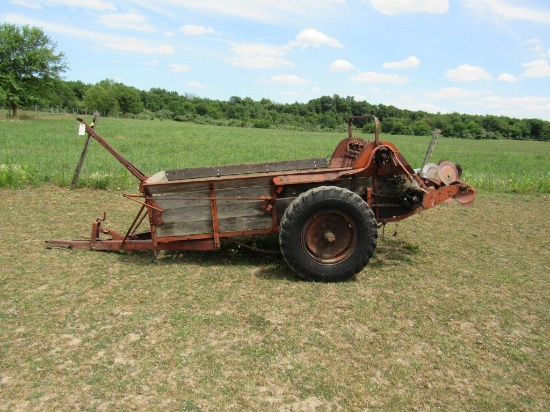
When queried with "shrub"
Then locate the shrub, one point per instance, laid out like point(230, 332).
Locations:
point(145, 115)
point(17, 176)
point(164, 114)
point(262, 124)
point(99, 180)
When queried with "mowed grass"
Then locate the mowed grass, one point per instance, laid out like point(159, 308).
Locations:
point(47, 150)
point(452, 314)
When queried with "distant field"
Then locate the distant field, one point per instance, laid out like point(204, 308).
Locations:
point(33, 152)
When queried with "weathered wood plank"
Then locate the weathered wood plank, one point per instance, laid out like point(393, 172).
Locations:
point(234, 224)
point(169, 204)
point(186, 214)
point(243, 191)
point(197, 227)
point(182, 186)
point(242, 169)
point(237, 208)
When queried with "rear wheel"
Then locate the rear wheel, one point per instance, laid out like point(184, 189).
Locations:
point(328, 234)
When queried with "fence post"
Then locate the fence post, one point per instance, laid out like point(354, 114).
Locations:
point(435, 135)
point(80, 163)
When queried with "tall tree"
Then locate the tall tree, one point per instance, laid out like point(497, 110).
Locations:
point(128, 98)
point(101, 97)
point(29, 66)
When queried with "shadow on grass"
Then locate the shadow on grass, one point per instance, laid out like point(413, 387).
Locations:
point(391, 251)
point(262, 253)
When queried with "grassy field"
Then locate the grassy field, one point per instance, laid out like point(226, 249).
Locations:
point(47, 150)
point(451, 314)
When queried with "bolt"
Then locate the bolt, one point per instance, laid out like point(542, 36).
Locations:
point(329, 236)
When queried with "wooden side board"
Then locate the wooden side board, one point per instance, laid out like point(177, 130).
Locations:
point(190, 213)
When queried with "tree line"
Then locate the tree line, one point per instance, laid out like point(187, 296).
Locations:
point(30, 78)
point(326, 113)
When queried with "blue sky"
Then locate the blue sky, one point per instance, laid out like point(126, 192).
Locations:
point(466, 56)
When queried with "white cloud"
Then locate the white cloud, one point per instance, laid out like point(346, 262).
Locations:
point(509, 11)
point(195, 85)
point(97, 5)
point(536, 68)
point(410, 62)
point(410, 6)
point(427, 107)
point(131, 44)
point(165, 49)
point(259, 56)
point(360, 97)
point(467, 73)
point(192, 30)
point(453, 93)
point(262, 56)
point(128, 44)
point(259, 62)
point(535, 45)
point(132, 21)
point(180, 68)
point(27, 4)
point(313, 38)
point(341, 66)
point(373, 77)
point(289, 79)
point(292, 93)
point(523, 107)
point(153, 63)
point(259, 50)
point(268, 11)
point(507, 78)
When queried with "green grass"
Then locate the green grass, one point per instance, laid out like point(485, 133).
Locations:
point(34, 152)
point(451, 314)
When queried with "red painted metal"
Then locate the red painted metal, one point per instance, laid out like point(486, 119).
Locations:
point(329, 237)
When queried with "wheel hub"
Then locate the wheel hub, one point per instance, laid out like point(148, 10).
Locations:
point(329, 237)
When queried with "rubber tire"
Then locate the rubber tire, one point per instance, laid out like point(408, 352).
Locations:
point(343, 204)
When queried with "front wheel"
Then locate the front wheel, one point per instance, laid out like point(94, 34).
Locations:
point(328, 234)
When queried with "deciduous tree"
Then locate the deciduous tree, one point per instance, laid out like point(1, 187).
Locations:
point(29, 66)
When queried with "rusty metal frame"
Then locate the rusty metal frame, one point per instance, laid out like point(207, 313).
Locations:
point(359, 162)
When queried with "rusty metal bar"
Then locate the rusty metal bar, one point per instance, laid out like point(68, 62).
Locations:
point(131, 197)
point(131, 228)
point(376, 126)
point(129, 166)
point(215, 220)
point(134, 245)
point(221, 235)
point(153, 198)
